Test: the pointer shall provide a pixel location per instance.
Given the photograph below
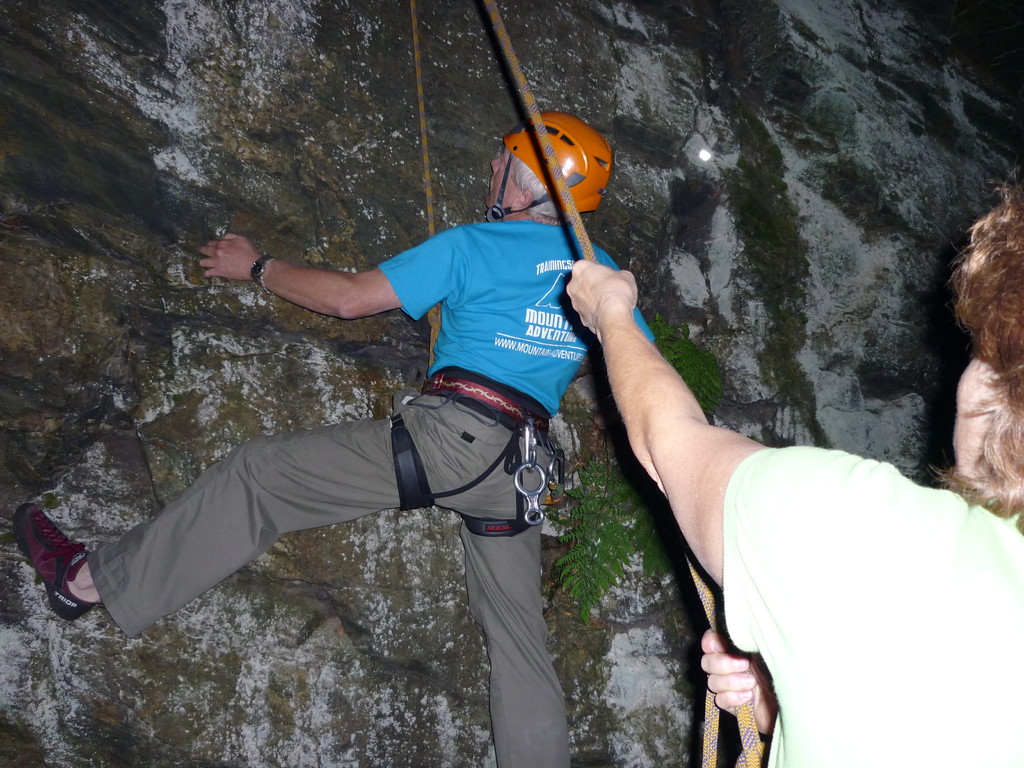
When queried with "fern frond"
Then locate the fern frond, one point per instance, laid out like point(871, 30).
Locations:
point(696, 365)
point(610, 523)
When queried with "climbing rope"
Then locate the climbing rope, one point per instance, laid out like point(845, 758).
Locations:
point(749, 736)
point(421, 101)
point(434, 315)
point(750, 739)
point(568, 203)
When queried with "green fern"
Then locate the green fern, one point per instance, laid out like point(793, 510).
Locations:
point(696, 365)
point(610, 524)
point(601, 538)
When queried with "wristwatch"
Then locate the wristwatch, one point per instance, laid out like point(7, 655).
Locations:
point(258, 268)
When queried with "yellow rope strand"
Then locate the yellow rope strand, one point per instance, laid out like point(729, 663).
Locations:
point(568, 203)
point(434, 315)
point(421, 100)
point(750, 738)
point(709, 751)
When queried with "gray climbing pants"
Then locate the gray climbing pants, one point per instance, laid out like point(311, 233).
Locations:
point(272, 485)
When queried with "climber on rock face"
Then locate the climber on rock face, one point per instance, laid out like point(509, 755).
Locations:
point(465, 440)
point(879, 607)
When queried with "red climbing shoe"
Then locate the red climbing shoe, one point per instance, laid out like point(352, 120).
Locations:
point(54, 556)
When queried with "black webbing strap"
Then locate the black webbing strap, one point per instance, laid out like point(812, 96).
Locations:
point(413, 488)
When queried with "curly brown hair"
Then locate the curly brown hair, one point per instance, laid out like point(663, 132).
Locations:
point(988, 281)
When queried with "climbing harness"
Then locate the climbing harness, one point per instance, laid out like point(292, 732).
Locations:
point(532, 480)
point(491, 403)
point(414, 490)
point(506, 400)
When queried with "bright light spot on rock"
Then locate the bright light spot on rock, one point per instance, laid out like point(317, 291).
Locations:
point(705, 155)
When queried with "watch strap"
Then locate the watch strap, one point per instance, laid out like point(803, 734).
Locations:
point(258, 269)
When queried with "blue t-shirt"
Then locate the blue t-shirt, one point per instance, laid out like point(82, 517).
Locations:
point(503, 305)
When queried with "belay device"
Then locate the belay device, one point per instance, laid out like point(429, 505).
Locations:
point(529, 467)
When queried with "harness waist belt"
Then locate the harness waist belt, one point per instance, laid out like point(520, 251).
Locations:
point(485, 410)
point(442, 382)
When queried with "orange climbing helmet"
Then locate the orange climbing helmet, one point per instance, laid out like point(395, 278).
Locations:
point(583, 154)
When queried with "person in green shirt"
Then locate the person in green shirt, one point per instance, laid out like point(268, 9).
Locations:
point(848, 579)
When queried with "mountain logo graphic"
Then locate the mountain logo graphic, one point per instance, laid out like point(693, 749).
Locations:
point(553, 298)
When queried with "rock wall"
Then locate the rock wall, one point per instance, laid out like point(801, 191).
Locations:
point(847, 145)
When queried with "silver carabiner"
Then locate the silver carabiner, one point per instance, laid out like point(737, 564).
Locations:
point(556, 467)
point(534, 514)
